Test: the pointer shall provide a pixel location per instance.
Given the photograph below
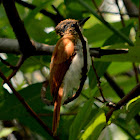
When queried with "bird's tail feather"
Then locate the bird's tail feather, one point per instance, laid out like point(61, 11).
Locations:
point(56, 113)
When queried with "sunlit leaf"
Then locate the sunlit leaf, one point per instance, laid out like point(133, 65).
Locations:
point(95, 126)
point(133, 108)
point(6, 131)
point(80, 120)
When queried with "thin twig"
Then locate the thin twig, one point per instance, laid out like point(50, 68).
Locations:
point(136, 72)
point(17, 67)
point(99, 100)
point(7, 63)
point(98, 81)
point(114, 85)
point(123, 24)
point(98, 10)
point(84, 69)
point(130, 7)
point(25, 44)
point(122, 20)
point(97, 77)
point(119, 91)
point(27, 107)
point(132, 94)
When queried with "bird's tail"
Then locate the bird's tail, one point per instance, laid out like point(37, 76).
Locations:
point(56, 113)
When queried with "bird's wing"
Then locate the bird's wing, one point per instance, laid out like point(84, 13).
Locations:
point(60, 62)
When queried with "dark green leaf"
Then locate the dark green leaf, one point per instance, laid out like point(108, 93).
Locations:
point(11, 108)
point(136, 2)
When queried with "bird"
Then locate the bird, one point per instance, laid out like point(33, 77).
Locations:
point(66, 64)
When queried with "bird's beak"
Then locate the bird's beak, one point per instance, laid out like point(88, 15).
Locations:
point(82, 22)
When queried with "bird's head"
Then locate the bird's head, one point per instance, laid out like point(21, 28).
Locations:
point(67, 27)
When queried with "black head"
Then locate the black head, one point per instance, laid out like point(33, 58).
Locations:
point(67, 26)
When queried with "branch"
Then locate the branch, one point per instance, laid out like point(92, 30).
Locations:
point(98, 81)
point(26, 46)
point(121, 16)
point(56, 18)
point(119, 91)
point(113, 84)
point(84, 69)
point(17, 67)
point(131, 7)
point(12, 46)
point(132, 94)
point(136, 72)
point(27, 107)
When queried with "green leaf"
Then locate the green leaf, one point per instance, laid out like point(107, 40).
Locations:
point(6, 131)
point(115, 39)
point(132, 55)
point(34, 12)
point(136, 2)
point(67, 2)
point(35, 62)
point(73, 7)
point(124, 82)
point(80, 120)
point(5, 28)
point(113, 132)
point(133, 108)
point(103, 35)
point(98, 2)
point(90, 9)
point(95, 127)
point(11, 107)
point(116, 68)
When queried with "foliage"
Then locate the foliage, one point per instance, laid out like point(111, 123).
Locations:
point(84, 118)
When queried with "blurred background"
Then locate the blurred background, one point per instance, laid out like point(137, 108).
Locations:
point(77, 116)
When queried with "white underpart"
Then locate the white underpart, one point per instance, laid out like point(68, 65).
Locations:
point(73, 75)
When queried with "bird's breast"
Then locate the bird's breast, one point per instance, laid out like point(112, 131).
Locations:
point(73, 75)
